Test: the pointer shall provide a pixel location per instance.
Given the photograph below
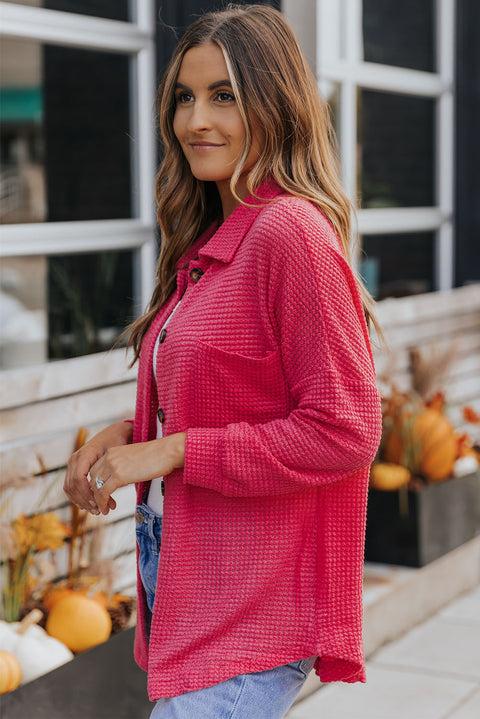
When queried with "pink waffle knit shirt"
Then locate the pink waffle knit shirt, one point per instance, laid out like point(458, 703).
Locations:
point(267, 367)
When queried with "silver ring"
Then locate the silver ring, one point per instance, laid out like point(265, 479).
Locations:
point(99, 482)
point(89, 478)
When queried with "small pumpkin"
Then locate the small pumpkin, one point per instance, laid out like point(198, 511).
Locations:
point(79, 622)
point(388, 476)
point(36, 652)
point(10, 672)
point(425, 443)
point(62, 589)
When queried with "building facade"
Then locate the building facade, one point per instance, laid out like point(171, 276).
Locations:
point(79, 152)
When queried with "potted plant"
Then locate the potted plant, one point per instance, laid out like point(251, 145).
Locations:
point(424, 497)
point(44, 624)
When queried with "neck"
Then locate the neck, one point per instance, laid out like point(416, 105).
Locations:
point(229, 202)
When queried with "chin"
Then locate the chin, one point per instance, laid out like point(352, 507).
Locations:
point(206, 175)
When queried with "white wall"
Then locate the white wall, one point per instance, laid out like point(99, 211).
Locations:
point(302, 16)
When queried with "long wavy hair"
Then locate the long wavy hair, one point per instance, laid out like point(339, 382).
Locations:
point(272, 83)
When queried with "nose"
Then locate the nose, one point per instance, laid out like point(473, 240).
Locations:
point(199, 119)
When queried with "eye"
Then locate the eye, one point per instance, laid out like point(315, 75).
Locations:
point(224, 96)
point(182, 98)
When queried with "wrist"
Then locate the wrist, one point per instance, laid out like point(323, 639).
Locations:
point(127, 430)
point(177, 449)
point(113, 436)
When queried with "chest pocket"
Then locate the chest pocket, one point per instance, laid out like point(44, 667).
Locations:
point(228, 387)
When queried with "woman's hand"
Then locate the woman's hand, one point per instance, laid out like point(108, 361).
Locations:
point(76, 485)
point(140, 462)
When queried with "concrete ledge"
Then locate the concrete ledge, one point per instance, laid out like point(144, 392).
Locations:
point(398, 598)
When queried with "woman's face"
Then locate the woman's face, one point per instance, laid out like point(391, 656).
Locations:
point(207, 121)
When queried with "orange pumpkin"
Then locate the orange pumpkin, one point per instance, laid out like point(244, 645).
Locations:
point(388, 477)
point(79, 622)
point(61, 590)
point(425, 443)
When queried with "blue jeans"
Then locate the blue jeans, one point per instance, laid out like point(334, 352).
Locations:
point(148, 527)
point(268, 694)
point(258, 695)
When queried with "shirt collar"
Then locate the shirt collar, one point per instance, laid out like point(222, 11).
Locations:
point(222, 243)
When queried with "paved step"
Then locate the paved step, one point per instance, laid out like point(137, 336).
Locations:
point(397, 599)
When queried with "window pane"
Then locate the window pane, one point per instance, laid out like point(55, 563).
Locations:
point(396, 154)
point(63, 306)
point(23, 311)
point(398, 265)
point(64, 131)
point(90, 302)
point(400, 33)
point(111, 9)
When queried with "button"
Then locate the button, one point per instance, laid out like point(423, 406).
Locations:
point(161, 415)
point(163, 488)
point(195, 274)
point(140, 517)
point(163, 335)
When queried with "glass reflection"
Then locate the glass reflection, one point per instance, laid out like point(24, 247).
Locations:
point(90, 302)
point(23, 313)
point(400, 33)
point(395, 265)
point(63, 306)
point(64, 134)
point(111, 9)
point(396, 150)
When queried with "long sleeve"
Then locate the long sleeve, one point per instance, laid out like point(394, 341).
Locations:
point(334, 427)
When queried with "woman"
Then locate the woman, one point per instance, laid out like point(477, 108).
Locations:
point(256, 398)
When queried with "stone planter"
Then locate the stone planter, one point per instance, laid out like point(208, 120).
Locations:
point(101, 683)
point(416, 527)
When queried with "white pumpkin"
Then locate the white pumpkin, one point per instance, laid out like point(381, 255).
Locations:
point(465, 465)
point(37, 652)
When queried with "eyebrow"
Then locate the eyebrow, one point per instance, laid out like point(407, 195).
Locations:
point(213, 86)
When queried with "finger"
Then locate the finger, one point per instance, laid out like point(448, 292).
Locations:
point(76, 483)
point(101, 492)
point(92, 504)
point(77, 489)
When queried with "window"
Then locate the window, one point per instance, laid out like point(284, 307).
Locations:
point(399, 264)
point(396, 150)
point(400, 33)
point(58, 134)
point(392, 67)
point(112, 9)
point(77, 171)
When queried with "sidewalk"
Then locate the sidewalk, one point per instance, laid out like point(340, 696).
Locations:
point(431, 672)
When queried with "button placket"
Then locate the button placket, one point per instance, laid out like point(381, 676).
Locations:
point(194, 275)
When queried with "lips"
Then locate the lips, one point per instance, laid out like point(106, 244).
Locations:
point(202, 146)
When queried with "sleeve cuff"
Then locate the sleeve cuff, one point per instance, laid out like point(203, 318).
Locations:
point(203, 457)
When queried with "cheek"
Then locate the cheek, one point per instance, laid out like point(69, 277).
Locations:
point(233, 128)
point(177, 126)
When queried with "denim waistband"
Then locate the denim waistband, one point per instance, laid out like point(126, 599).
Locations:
point(148, 521)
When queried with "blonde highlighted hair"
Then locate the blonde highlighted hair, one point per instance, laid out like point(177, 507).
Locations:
point(272, 83)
